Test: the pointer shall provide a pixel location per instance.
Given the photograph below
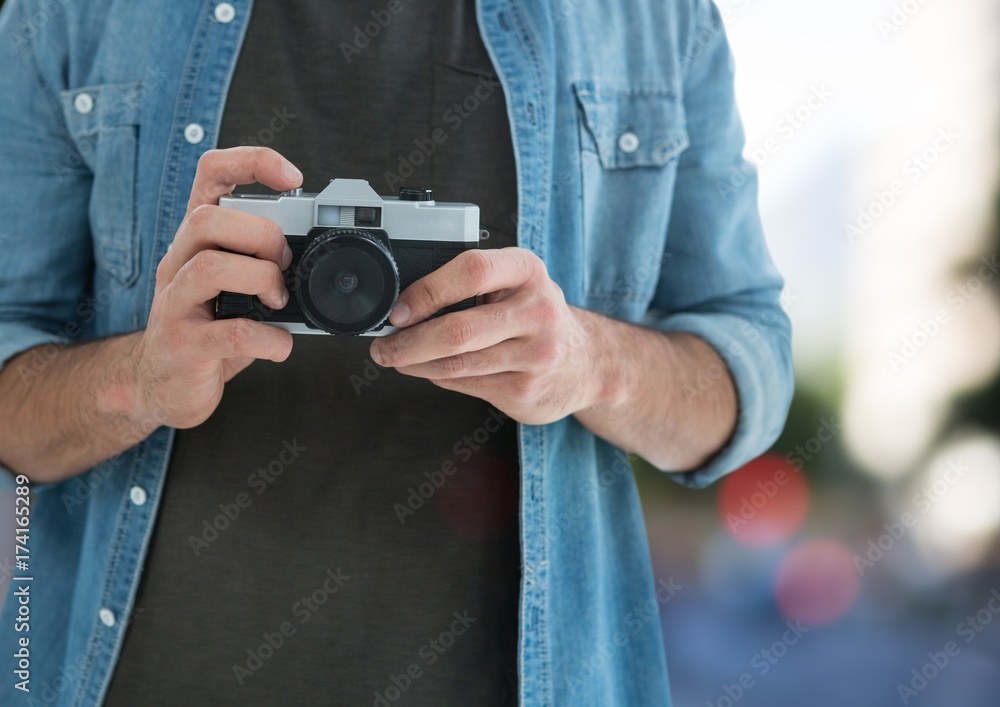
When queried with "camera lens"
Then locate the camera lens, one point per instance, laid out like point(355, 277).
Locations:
point(347, 281)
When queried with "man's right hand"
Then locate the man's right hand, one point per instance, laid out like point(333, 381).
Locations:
point(184, 357)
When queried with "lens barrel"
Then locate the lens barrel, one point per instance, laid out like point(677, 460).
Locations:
point(347, 280)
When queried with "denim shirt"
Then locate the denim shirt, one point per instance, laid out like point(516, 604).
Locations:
point(631, 187)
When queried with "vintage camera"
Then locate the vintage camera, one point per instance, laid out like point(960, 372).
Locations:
point(353, 252)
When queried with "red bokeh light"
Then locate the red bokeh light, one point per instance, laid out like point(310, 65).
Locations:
point(817, 582)
point(765, 502)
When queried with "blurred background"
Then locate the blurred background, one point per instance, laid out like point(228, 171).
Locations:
point(857, 563)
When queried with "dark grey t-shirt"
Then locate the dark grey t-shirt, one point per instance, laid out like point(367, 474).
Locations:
point(338, 533)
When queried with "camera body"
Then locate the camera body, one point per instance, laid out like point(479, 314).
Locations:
point(353, 252)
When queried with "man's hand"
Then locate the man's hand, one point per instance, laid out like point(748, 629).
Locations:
point(523, 350)
point(184, 357)
point(538, 359)
point(95, 399)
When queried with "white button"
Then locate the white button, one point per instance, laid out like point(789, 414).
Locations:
point(107, 617)
point(628, 142)
point(138, 495)
point(224, 13)
point(84, 103)
point(194, 133)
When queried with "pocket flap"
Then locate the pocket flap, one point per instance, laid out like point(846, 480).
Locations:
point(632, 125)
point(94, 109)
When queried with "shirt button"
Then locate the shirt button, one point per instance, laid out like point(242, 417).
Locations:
point(138, 495)
point(84, 103)
point(224, 13)
point(628, 142)
point(194, 133)
point(107, 617)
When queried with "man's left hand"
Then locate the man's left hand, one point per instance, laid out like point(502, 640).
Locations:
point(524, 349)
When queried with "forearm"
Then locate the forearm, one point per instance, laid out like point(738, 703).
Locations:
point(60, 416)
point(639, 377)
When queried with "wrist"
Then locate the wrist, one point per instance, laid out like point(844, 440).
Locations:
point(609, 380)
point(118, 394)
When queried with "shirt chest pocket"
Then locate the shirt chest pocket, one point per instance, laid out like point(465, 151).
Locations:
point(630, 139)
point(104, 122)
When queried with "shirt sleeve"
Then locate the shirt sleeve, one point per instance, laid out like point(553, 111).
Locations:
point(718, 281)
point(45, 244)
point(44, 189)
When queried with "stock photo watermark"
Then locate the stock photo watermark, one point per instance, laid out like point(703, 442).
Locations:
point(899, 15)
point(931, 327)
point(429, 654)
point(229, 512)
point(785, 128)
point(938, 661)
point(913, 169)
point(465, 448)
point(364, 34)
point(631, 624)
point(761, 664)
point(280, 119)
point(454, 117)
point(752, 330)
point(303, 610)
point(922, 502)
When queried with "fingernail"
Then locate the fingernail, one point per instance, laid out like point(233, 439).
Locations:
point(400, 315)
point(291, 172)
point(286, 257)
point(284, 298)
point(376, 354)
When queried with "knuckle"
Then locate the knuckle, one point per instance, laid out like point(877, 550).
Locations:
point(460, 331)
point(548, 353)
point(478, 268)
point(548, 312)
point(200, 218)
point(523, 388)
point(455, 365)
point(500, 317)
point(431, 293)
point(209, 160)
point(389, 348)
point(239, 332)
point(257, 154)
point(204, 264)
point(534, 265)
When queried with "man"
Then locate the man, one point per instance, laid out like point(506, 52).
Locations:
point(439, 516)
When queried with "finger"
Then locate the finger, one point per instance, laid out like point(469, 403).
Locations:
point(213, 227)
point(219, 171)
point(210, 272)
point(472, 273)
point(233, 366)
point(501, 358)
point(454, 333)
point(497, 388)
point(240, 338)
